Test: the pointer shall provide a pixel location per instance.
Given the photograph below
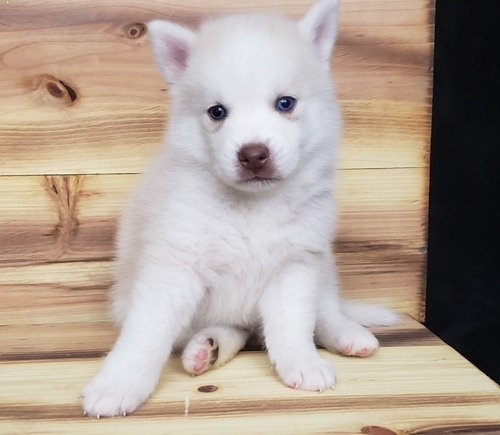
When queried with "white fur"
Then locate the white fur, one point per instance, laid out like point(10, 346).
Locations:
point(203, 256)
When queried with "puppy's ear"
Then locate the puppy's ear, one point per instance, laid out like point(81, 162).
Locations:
point(319, 26)
point(172, 46)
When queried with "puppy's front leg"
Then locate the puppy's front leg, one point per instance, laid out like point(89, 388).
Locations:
point(288, 308)
point(162, 304)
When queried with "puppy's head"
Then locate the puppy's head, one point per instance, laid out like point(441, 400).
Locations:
point(252, 91)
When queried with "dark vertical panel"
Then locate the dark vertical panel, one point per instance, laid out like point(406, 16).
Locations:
point(463, 296)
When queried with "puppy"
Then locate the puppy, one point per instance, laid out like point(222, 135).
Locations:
point(229, 230)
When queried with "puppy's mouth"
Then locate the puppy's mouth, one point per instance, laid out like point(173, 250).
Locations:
point(258, 183)
point(260, 180)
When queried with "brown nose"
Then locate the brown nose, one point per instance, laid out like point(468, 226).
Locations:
point(253, 156)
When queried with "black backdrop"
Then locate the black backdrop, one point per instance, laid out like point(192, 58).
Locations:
point(463, 286)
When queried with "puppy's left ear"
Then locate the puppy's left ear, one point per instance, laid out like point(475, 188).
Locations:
point(320, 25)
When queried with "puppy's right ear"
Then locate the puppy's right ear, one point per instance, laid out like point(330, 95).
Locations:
point(319, 26)
point(172, 46)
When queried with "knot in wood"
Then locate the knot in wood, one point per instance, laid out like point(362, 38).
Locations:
point(135, 30)
point(65, 192)
point(49, 90)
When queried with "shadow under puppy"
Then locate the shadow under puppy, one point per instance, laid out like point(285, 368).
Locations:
point(229, 230)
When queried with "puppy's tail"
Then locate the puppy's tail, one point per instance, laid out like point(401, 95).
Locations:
point(369, 315)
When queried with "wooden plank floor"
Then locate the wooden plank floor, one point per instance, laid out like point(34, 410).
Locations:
point(414, 385)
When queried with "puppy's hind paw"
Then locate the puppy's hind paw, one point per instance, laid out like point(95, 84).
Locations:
point(358, 342)
point(199, 355)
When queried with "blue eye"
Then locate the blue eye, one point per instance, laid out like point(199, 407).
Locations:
point(217, 112)
point(285, 104)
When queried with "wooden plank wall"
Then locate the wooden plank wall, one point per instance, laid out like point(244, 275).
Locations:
point(82, 111)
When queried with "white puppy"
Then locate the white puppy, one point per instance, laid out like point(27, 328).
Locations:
point(230, 228)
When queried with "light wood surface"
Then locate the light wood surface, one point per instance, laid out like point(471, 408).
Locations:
point(413, 385)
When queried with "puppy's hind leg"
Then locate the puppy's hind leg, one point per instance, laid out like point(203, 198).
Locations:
point(212, 347)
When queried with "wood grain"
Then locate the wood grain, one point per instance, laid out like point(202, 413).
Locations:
point(122, 138)
point(94, 339)
point(403, 14)
point(381, 64)
point(74, 217)
point(57, 242)
point(77, 291)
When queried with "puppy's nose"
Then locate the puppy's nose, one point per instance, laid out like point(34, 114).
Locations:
point(253, 156)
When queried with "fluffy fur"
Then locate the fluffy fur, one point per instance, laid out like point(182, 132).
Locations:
point(209, 250)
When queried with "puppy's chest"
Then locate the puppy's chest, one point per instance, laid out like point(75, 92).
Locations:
point(241, 255)
point(236, 265)
point(245, 252)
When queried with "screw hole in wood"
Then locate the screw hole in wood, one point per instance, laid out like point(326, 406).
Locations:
point(208, 388)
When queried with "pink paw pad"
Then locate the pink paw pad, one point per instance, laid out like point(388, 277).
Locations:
point(200, 356)
point(200, 360)
point(362, 352)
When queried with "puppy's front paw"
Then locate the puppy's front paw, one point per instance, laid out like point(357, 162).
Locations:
point(312, 374)
point(108, 396)
point(357, 342)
